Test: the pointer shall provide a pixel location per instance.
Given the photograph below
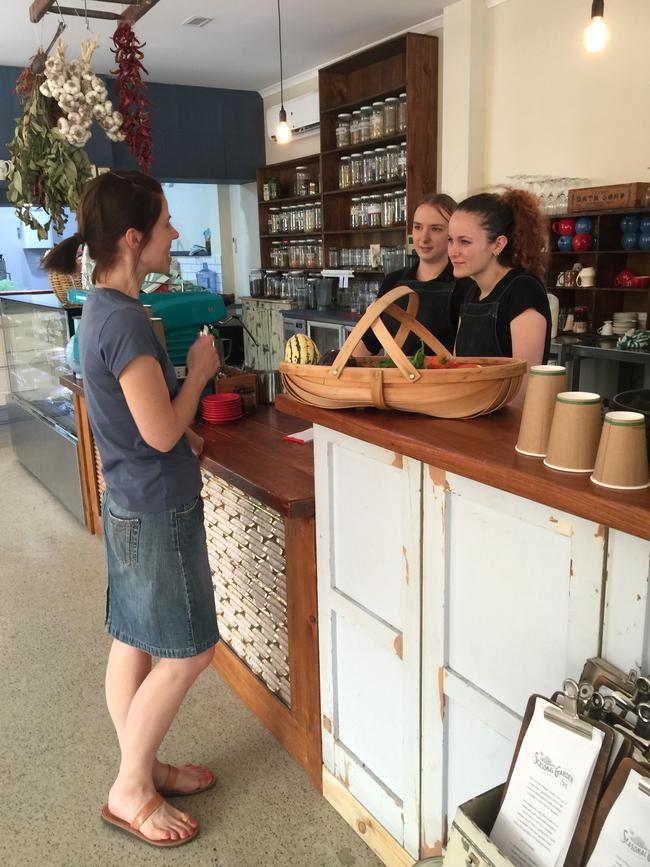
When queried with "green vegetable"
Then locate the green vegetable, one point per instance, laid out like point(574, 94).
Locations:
point(417, 360)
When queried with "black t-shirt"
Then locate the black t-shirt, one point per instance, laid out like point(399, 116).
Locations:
point(519, 290)
point(425, 313)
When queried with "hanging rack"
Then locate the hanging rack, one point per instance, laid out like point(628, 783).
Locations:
point(133, 12)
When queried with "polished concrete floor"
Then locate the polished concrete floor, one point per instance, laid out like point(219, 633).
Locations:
point(58, 749)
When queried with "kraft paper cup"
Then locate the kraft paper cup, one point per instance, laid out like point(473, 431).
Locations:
point(622, 460)
point(575, 432)
point(545, 382)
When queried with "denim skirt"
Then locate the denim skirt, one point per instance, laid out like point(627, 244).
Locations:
point(160, 597)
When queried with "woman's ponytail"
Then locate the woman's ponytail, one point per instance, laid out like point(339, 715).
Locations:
point(529, 232)
point(63, 257)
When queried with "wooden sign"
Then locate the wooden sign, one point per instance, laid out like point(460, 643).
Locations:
point(614, 197)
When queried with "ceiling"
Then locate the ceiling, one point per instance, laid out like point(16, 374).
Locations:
point(238, 49)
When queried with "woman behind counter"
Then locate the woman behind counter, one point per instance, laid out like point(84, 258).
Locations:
point(498, 241)
point(432, 278)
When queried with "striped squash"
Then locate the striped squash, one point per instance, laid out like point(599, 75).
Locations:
point(301, 349)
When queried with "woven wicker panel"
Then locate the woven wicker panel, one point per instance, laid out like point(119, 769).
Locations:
point(246, 548)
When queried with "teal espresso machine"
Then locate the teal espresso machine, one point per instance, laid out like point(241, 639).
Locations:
point(183, 315)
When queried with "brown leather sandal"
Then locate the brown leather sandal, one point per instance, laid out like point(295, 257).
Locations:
point(140, 818)
point(169, 786)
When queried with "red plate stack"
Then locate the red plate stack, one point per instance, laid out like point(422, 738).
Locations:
point(221, 408)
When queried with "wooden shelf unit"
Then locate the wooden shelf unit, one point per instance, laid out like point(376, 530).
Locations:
point(608, 258)
point(408, 64)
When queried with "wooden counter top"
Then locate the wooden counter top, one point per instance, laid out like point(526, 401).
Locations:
point(252, 455)
point(483, 449)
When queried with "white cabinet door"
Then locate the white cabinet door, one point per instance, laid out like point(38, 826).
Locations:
point(512, 594)
point(368, 514)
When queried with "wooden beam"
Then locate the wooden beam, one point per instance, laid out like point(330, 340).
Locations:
point(132, 13)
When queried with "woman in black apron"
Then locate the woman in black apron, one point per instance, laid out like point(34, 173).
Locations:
point(431, 277)
point(498, 241)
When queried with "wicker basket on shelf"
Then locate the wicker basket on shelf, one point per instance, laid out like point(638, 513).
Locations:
point(447, 393)
point(60, 283)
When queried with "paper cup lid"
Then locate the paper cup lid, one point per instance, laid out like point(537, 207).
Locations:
point(578, 397)
point(547, 370)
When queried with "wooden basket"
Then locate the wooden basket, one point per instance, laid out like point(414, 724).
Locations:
point(462, 393)
point(60, 283)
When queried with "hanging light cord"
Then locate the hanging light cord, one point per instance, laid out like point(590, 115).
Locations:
point(280, 41)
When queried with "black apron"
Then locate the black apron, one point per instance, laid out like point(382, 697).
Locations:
point(434, 312)
point(477, 334)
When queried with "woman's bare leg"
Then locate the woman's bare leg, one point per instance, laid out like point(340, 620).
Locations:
point(141, 727)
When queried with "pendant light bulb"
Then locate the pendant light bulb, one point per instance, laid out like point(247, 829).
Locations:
point(596, 34)
point(283, 132)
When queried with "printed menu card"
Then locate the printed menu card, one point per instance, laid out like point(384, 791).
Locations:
point(624, 839)
point(546, 792)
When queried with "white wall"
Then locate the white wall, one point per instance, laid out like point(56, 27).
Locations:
point(194, 208)
point(551, 108)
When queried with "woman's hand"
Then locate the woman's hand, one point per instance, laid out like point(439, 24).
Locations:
point(203, 359)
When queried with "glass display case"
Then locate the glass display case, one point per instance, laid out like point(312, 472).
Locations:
point(41, 416)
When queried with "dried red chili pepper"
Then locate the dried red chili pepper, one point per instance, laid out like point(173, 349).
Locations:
point(130, 88)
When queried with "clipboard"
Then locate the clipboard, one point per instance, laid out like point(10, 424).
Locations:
point(610, 795)
point(567, 716)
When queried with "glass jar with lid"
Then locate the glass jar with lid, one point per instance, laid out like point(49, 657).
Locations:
point(392, 162)
point(333, 257)
point(388, 209)
point(285, 220)
point(369, 167)
point(294, 254)
point(400, 206)
point(401, 167)
point(391, 109)
point(284, 255)
point(343, 130)
point(356, 170)
point(311, 259)
point(345, 173)
point(374, 212)
point(377, 120)
point(363, 212)
point(317, 216)
point(302, 181)
point(355, 127)
point(310, 218)
point(272, 284)
point(366, 118)
point(380, 165)
point(276, 254)
point(274, 221)
point(401, 113)
point(355, 217)
point(319, 254)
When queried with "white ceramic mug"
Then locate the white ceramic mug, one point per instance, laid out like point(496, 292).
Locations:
point(586, 277)
point(606, 328)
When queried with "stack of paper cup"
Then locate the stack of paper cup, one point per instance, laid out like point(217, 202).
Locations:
point(622, 460)
point(575, 432)
point(545, 382)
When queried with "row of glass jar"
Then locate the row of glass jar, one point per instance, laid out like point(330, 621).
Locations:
point(303, 185)
point(374, 212)
point(297, 286)
point(373, 256)
point(297, 254)
point(373, 167)
point(371, 122)
point(295, 218)
point(359, 295)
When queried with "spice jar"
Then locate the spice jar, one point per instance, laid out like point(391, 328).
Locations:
point(355, 215)
point(345, 173)
point(374, 212)
point(311, 260)
point(401, 167)
point(274, 188)
point(313, 188)
point(302, 181)
point(294, 254)
point(332, 258)
point(319, 254)
point(366, 118)
point(369, 167)
point(388, 210)
point(391, 107)
point(317, 216)
point(377, 120)
point(274, 221)
point(285, 220)
point(355, 127)
point(380, 165)
point(400, 206)
point(401, 113)
point(356, 170)
point(392, 162)
point(343, 130)
point(310, 221)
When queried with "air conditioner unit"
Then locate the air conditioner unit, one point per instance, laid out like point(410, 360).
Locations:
point(302, 116)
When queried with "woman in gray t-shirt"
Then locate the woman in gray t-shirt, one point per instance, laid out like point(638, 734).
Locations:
point(160, 600)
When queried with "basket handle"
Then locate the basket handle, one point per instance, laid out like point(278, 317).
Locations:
point(371, 319)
